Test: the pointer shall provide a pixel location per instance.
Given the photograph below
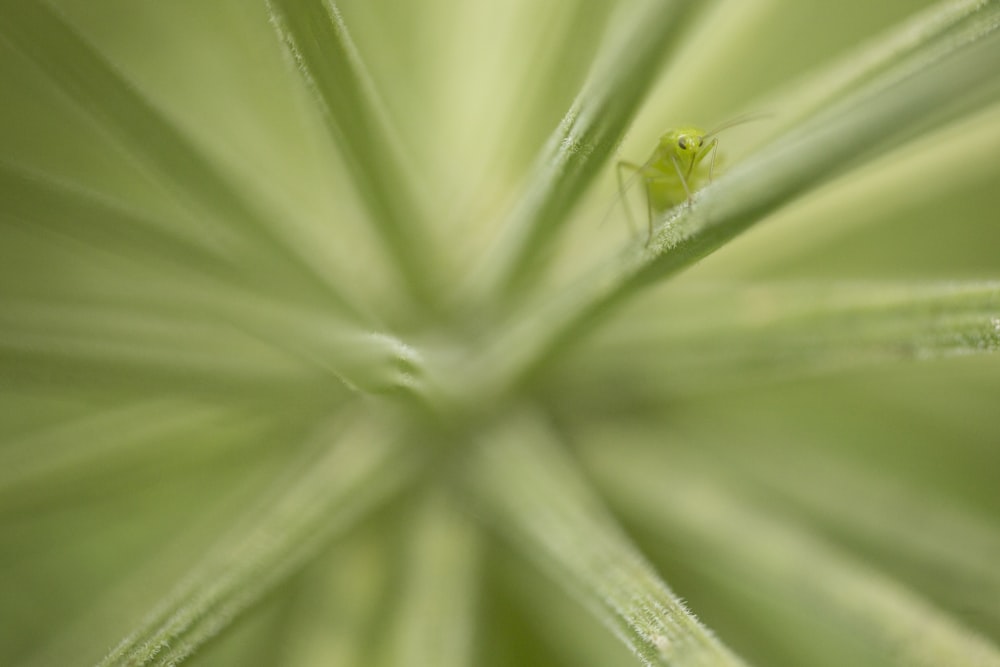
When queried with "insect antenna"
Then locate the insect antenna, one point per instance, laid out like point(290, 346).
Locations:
point(624, 187)
point(738, 120)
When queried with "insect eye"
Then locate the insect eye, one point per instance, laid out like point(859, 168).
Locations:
point(683, 143)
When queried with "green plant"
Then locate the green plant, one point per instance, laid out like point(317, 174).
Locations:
point(310, 355)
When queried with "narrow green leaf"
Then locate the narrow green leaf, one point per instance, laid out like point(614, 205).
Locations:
point(99, 90)
point(572, 632)
point(746, 335)
point(638, 39)
point(536, 497)
point(324, 496)
point(435, 609)
point(41, 206)
point(952, 549)
point(363, 359)
point(564, 38)
point(56, 459)
point(217, 336)
point(44, 343)
point(176, 530)
point(786, 559)
point(337, 612)
point(320, 45)
point(937, 183)
point(901, 51)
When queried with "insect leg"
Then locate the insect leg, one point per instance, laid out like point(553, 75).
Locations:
point(712, 146)
point(649, 211)
point(680, 175)
point(636, 169)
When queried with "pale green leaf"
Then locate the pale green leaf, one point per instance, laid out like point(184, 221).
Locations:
point(92, 83)
point(435, 617)
point(541, 502)
point(638, 39)
point(321, 47)
point(893, 624)
point(746, 335)
point(328, 491)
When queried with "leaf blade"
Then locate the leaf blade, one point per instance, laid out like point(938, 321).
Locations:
point(317, 39)
point(117, 106)
point(309, 508)
point(895, 624)
point(541, 502)
point(753, 334)
point(593, 126)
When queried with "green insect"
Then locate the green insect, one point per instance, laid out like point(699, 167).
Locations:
point(675, 170)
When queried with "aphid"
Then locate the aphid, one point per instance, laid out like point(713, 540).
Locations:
point(675, 169)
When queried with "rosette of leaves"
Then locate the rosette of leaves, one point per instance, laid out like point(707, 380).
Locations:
point(324, 340)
